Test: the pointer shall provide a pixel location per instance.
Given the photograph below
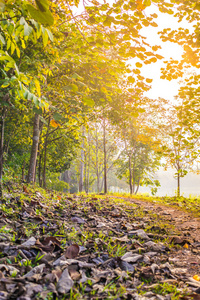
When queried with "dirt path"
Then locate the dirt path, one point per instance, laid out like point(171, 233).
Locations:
point(188, 228)
point(183, 221)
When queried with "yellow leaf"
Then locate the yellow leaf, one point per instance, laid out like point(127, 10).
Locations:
point(138, 65)
point(45, 105)
point(148, 80)
point(196, 277)
point(37, 85)
point(186, 246)
point(18, 51)
point(54, 124)
point(140, 5)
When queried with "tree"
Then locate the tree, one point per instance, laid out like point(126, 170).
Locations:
point(180, 141)
point(140, 159)
point(133, 118)
point(68, 73)
point(16, 32)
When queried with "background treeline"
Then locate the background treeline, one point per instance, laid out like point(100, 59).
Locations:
point(74, 115)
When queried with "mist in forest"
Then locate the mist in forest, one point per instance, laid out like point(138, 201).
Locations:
point(190, 184)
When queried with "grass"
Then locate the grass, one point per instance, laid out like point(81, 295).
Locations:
point(166, 289)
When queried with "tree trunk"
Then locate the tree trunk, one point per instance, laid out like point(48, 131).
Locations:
point(97, 162)
point(88, 173)
point(2, 149)
point(178, 184)
point(130, 175)
point(44, 164)
point(137, 188)
point(40, 154)
point(34, 150)
point(105, 157)
point(82, 165)
point(133, 180)
point(66, 179)
point(45, 157)
point(40, 168)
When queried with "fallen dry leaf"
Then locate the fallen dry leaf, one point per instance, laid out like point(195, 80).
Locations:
point(72, 251)
point(65, 283)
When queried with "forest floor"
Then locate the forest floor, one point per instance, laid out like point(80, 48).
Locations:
point(59, 246)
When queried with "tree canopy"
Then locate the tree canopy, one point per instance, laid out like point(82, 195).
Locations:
point(65, 68)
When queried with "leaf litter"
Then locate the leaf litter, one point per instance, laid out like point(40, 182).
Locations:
point(84, 247)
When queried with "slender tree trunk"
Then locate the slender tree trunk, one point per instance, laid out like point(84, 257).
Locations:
point(40, 169)
point(34, 150)
point(40, 153)
point(2, 149)
point(97, 161)
point(82, 165)
point(133, 175)
point(130, 175)
point(85, 167)
point(137, 188)
point(88, 173)
point(67, 179)
point(178, 184)
point(98, 179)
point(45, 157)
point(133, 180)
point(44, 164)
point(105, 157)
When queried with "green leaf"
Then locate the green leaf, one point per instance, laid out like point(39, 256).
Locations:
point(36, 101)
point(45, 37)
point(50, 35)
point(26, 94)
point(89, 101)
point(30, 96)
point(2, 5)
point(2, 39)
point(76, 76)
point(22, 21)
point(45, 18)
point(39, 112)
point(71, 87)
point(6, 57)
point(43, 5)
point(5, 84)
point(57, 117)
point(27, 29)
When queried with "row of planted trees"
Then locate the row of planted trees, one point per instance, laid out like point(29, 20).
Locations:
point(69, 98)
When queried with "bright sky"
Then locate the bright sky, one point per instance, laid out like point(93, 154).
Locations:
point(162, 88)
